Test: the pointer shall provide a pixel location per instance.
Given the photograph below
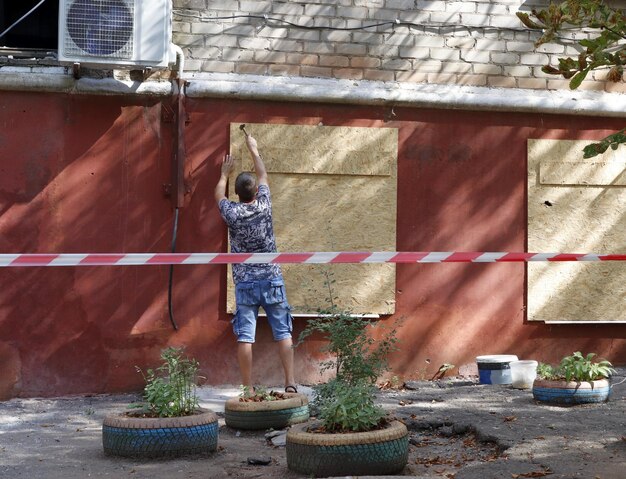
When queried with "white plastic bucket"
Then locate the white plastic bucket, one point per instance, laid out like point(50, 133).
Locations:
point(495, 369)
point(523, 373)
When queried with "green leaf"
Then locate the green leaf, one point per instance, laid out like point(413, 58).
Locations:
point(578, 78)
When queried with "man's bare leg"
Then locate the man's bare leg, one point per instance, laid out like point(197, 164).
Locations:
point(244, 357)
point(285, 350)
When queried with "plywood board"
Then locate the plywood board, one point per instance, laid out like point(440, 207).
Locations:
point(333, 189)
point(576, 206)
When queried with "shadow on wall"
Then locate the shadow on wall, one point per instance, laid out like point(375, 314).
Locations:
point(85, 175)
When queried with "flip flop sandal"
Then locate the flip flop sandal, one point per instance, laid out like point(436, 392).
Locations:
point(291, 389)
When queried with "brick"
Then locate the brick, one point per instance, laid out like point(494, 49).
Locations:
point(352, 12)
point(461, 7)
point(502, 82)
point(400, 4)
point(399, 39)
point(336, 36)
point(534, 59)
point(378, 75)
point(505, 58)
point(241, 30)
point(414, 52)
point(447, 18)
point(475, 56)
point(415, 16)
point(255, 6)
point(612, 87)
point(365, 62)
point(207, 28)
point(320, 10)
point(348, 73)
point(204, 52)
point(384, 15)
point(456, 67)
point(520, 47)
point(472, 80)
point(288, 8)
point(284, 70)
point(487, 69)
point(427, 66)
point(461, 42)
point(383, 51)
point(445, 54)
point(222, 41)
point(250, 68)
point(334, 61)
point(550, 48)
point(181, 27)
point(367, 38)
point(475, 19)
point(429, 41)
point(350, 49)
point(436, 6)
point(237, 55)
point(254, 43)
point(186, 40)
point(193, 65)
point(270, 57)
point(492, 8)
point(302, 59)
point(491, 45)
point(287, 46)
point(191, 4)
point(517, 71)
point(532, 83)
point(505, 21)
point(309, 71)
point(218, 67)
point(305, 35)
point(412, 77)
point(222, 5)
point(396, 64)
point(273, 32)
point(321, 48)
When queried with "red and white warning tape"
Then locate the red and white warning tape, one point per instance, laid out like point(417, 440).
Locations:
point(129, 259)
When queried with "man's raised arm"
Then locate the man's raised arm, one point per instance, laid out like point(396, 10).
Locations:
point(259, 166)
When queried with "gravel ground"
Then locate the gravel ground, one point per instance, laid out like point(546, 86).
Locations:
point(458, 430)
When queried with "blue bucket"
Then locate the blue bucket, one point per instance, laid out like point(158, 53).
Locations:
point(495, 369)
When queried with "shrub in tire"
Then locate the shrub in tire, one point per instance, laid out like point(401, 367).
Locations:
point(378, 452)
point(267, 414)
point(128, 436)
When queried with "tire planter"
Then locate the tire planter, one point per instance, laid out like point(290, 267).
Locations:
point(267, 414)
point(379, 452)
point(570, 393)
point(128, 436)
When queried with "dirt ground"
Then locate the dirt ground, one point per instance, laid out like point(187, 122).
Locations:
point(458, 429)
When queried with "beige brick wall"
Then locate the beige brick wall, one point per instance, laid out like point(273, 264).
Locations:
point(469, 42)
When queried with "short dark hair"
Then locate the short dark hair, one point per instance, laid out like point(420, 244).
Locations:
point(245, 186)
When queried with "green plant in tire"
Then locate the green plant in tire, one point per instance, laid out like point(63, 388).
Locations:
point(577, 367)
point(347, 402)
point(170, 389)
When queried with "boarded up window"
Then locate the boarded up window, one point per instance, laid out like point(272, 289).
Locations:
point(333, 189)
point(576, 206)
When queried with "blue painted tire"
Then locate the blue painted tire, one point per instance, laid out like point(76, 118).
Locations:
point(128, 436)
point(379, 452)
point(571, 393)
point(267, 414)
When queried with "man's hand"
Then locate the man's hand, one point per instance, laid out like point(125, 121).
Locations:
point(228, 163)
point(252, 145)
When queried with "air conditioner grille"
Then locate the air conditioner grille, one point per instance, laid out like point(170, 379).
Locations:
point(100, 28)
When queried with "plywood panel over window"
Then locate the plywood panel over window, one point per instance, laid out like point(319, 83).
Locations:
point(333, 189)
point(576, 206)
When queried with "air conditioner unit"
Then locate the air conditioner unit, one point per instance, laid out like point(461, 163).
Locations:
point(115, 33)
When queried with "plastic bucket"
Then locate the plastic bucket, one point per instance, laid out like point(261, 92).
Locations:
point(523, 373)
point(495, 369)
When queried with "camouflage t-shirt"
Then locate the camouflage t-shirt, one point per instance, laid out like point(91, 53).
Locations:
point(251, 231)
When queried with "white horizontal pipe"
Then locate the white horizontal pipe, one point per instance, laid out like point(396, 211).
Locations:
point(322, 90)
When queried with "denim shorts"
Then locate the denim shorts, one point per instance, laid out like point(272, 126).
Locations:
point(271, 296)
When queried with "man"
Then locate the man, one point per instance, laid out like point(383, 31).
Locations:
point(256, 285)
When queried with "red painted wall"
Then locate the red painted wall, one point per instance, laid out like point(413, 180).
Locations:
point(86, 174)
